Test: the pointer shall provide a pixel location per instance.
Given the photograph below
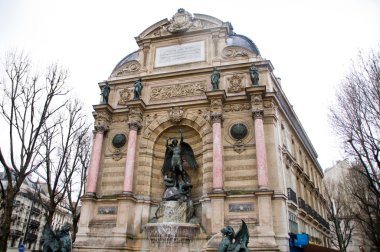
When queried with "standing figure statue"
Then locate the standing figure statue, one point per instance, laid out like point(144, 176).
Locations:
point(175, 153)
point(105, 93)
point(137, 89)
point(215, 76)
point(254, 75)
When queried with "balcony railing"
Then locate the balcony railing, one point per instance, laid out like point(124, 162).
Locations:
point(15, 232)
point(292, 195)
point(34, 224)
point(35, 211)
point(313, 213)
point(301, 203)
point(31, 237)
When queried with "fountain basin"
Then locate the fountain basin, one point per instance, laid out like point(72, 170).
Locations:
point(170, 232)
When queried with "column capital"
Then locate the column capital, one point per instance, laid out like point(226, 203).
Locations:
point(101, 128)
point(216, 117)
point(257, 113)
point(134, 125)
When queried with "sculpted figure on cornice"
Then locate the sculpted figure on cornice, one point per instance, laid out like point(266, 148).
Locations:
point(178, 90)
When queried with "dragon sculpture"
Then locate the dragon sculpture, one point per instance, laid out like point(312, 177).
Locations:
point(232, 242)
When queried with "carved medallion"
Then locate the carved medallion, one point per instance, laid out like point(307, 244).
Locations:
point(235, 84)
point(180, 22)
point(176, 114)
point(125, 95)
point(178, 90)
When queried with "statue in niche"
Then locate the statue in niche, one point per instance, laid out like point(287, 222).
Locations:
point(232, 242)
point(177, 182)
point(215, 76)
point(172, 169)
point(137, 89)
point(105, 93)
point(254, 74)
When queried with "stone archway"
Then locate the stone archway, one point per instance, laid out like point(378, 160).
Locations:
point(197, 132)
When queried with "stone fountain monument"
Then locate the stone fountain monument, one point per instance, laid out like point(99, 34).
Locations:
point(188, 139)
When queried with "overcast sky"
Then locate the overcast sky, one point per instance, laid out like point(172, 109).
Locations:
point(310, 43)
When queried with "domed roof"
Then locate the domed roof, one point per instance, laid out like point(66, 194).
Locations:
point(242, 41)
point(129, 57)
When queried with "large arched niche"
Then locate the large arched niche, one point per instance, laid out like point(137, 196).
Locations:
point(192, 137)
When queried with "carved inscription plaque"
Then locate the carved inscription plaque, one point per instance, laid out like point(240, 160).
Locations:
point(180, 54)
point(107, 210)
point(246, 207)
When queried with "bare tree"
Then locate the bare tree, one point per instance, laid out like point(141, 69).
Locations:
point(76, 186)
point(356, 120)
point(63, 148)
point(339, 214)
point(364, 205)
point(27, 104)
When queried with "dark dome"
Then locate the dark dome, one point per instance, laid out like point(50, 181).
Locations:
point(242, 41)
point(129, 57)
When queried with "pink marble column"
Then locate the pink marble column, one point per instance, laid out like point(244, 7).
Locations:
point(261, 155)
point(131, 159)
point(217, 151)
point(94, 166)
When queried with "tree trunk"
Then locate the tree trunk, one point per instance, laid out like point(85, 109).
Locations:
point(75, 226)
point(6, 221)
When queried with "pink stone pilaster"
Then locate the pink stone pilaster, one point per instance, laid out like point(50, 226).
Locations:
point(217, 165)
point(130, 162)
point(94, 166)
point(261, 155)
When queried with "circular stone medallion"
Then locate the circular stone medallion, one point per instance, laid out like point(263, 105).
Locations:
point(119, 140)
point(239, 131)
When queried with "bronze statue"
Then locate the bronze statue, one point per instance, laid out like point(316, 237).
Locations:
point(215, 76)
point(254, 75)
point(137, 89)
point(56, 242)
point(232, 242)
point(105, 93)
point(173, 163)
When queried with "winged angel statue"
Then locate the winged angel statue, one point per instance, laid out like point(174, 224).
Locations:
point(173, 170)
point(232, 242)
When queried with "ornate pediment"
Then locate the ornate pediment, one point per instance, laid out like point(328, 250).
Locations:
point(181, 22)
point(130, 67)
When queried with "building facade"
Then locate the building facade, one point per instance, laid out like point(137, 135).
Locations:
point(28, 218)
point(256, 162)
point(334, 175)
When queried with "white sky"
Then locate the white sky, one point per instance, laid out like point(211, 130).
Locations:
point(310, 43)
